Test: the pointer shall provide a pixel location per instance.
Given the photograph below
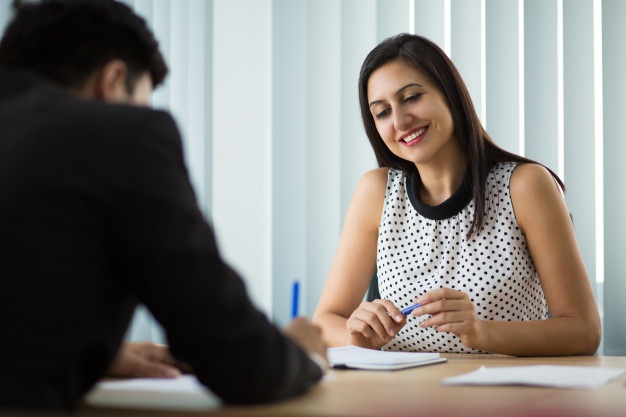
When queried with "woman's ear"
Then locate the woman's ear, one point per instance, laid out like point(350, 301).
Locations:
point(110, 83)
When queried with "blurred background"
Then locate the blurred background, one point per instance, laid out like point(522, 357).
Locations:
point(265, 94)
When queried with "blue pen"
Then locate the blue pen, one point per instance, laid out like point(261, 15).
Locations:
point(294, 300)
point(408, 310)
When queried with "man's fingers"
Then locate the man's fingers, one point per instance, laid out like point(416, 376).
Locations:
point(146, 369)
point(145, 360)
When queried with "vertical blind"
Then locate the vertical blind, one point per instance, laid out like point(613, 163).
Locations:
point(265, 93)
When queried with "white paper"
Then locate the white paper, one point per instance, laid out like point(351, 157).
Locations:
point(540, 375)
point(182, 393)
point(183, 384)
point(362, 358)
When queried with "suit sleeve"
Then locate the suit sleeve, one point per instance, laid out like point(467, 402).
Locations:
point(172, 264)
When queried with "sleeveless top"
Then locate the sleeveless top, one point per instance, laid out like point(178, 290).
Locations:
point(421, 248)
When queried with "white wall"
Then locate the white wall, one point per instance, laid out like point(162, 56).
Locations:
point(265, 92)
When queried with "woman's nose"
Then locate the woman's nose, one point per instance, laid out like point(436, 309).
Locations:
point(401, 119)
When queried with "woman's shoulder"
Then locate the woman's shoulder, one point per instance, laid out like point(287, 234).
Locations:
point(376, 177)
point(528, 177)
point(533, 190)
point(370, 191)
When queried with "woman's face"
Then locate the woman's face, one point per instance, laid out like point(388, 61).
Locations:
point(410, 114)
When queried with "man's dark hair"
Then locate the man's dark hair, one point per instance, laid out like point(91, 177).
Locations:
point(67, 40)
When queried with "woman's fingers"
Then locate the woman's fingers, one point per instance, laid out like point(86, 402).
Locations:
point(450, 311)
point(443, 305)
point(441, 294)
point(380, 319)
point(440, 319)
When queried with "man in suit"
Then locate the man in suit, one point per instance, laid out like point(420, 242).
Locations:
point(97, 214)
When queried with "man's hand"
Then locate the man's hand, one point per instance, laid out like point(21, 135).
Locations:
point(144, 360)
point(309, 337)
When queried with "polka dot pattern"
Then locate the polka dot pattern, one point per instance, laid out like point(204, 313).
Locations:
point(417, 254)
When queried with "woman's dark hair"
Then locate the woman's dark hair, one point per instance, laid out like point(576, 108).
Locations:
point(425, 56)
point(66, 40)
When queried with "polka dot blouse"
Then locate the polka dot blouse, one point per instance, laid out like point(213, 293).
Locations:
point(421, 248)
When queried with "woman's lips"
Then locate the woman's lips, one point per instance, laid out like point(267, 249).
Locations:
point(414, 136)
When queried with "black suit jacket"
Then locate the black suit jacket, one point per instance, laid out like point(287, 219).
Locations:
point(97, 214)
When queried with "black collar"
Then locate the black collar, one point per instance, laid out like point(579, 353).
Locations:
point(449, 208)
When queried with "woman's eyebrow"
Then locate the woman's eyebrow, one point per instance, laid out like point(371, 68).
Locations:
point(397, 92)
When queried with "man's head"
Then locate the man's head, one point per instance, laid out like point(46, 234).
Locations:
point(96, 48)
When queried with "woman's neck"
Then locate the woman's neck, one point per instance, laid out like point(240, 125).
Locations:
point(440, 179)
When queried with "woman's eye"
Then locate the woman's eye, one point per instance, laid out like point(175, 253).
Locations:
point(383, 114)
point(414, 97)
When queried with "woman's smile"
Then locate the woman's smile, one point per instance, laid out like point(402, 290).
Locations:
point(414, 136)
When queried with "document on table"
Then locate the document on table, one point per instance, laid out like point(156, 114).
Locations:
point(361, 358)
point(182, 393)
point(556, 376)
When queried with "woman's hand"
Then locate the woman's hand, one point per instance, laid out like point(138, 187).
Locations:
point(373, 324)
point(451, 311)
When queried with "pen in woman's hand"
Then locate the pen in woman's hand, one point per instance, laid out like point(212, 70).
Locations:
point(408, 310)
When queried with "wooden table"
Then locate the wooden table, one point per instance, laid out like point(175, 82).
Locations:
point(419, 392)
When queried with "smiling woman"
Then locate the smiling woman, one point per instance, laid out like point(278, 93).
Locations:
point(401, 108)
point(479, 237)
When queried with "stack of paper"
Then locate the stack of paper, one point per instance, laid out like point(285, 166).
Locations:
point(361, 358)
point(539, 375)
point(182, 393)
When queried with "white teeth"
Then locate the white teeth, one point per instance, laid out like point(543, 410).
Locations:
point(414, 135)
